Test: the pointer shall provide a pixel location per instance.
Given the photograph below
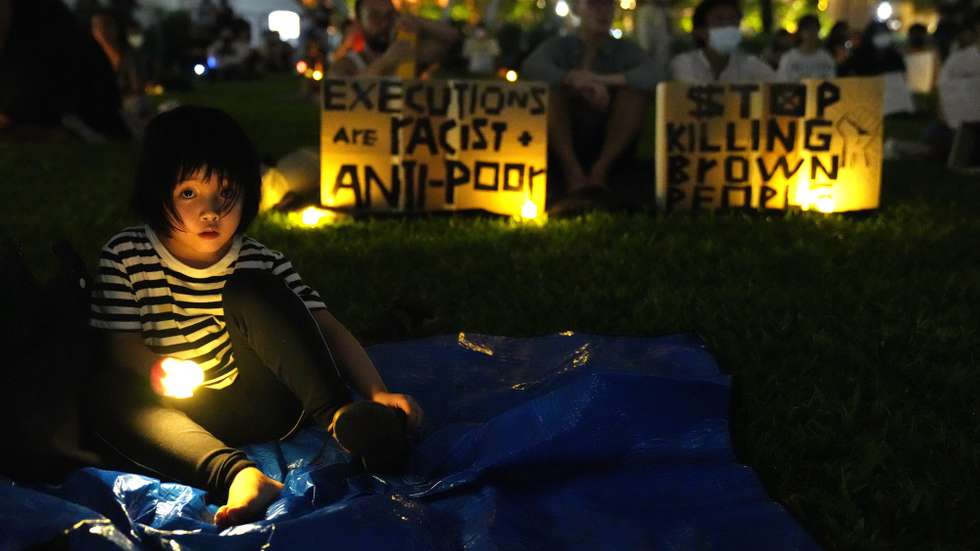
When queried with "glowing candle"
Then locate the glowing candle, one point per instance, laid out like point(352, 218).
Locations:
point(529, 211)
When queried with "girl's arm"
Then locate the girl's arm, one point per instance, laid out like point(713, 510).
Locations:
point(357, 367)
point(350, 356)
point(127, 351)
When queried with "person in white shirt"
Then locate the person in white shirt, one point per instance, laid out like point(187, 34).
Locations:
point(481, 50)
point(809, 59)
point(959, 81)
point(654, 31)
point(717, 59)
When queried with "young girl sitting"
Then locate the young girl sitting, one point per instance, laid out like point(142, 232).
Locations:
point(188, 285)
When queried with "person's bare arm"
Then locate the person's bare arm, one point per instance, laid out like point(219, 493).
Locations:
point(350, 356)
point(342, 68)
point(614, 79)
point(439, 30)
point(357, 367)
point(386, 64)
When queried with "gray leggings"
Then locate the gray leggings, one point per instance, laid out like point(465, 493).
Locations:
point(286, 378)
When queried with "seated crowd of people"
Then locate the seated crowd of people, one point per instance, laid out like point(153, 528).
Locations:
point(599, 83)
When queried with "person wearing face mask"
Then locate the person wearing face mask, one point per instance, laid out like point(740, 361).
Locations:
point(600, 89)
point(394, 44)
point(718, 59)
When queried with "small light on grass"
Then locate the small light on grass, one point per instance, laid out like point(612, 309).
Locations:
point(313, 216)
point(530, 214)
point(180, 377)
point(824, 203)
point(199, 69)
point(529, 211)
point(511, 75)
point(819, 198)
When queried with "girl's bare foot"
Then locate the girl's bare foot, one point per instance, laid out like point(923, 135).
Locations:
point(249, 495)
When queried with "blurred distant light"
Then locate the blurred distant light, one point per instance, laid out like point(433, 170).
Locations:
point(627, 4)
point(212, 62)
point(822, 5)
point(561, 8)
point(317, 75)
point(541, 4)
point(616, 33)
point(286, 23)
point(894, 24)
point(884, 11)
point(511, 76)
point(199, 69)
point(301, 66)
point(791, 27)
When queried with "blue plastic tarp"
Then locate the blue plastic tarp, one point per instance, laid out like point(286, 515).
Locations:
point(569, 441)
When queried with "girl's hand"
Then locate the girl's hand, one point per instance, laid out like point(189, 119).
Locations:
point(403, 402)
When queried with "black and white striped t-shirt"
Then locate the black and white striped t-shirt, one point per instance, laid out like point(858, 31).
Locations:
point(178, 309)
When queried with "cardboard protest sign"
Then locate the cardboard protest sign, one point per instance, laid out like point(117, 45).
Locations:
point(815, 145)
point(389, 145)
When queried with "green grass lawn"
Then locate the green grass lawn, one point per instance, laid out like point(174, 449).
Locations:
point(852, 340)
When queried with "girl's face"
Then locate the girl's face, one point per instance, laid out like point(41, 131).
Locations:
point(207, 222)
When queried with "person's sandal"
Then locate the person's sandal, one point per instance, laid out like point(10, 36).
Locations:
point(374, 433)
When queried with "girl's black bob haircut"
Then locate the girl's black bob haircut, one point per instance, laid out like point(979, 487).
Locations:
point(186, 140)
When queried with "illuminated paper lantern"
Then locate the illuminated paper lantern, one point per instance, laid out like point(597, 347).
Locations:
point(390, 145)
point(813, 145)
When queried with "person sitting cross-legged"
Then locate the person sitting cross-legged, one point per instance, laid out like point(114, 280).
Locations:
point(600, 89)
point(392, 43)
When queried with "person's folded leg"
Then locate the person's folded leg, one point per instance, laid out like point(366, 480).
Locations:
point(267, 318)
point(163, 441)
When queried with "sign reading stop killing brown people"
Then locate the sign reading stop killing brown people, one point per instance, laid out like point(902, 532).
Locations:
point(814, 145)
point(390, 145)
